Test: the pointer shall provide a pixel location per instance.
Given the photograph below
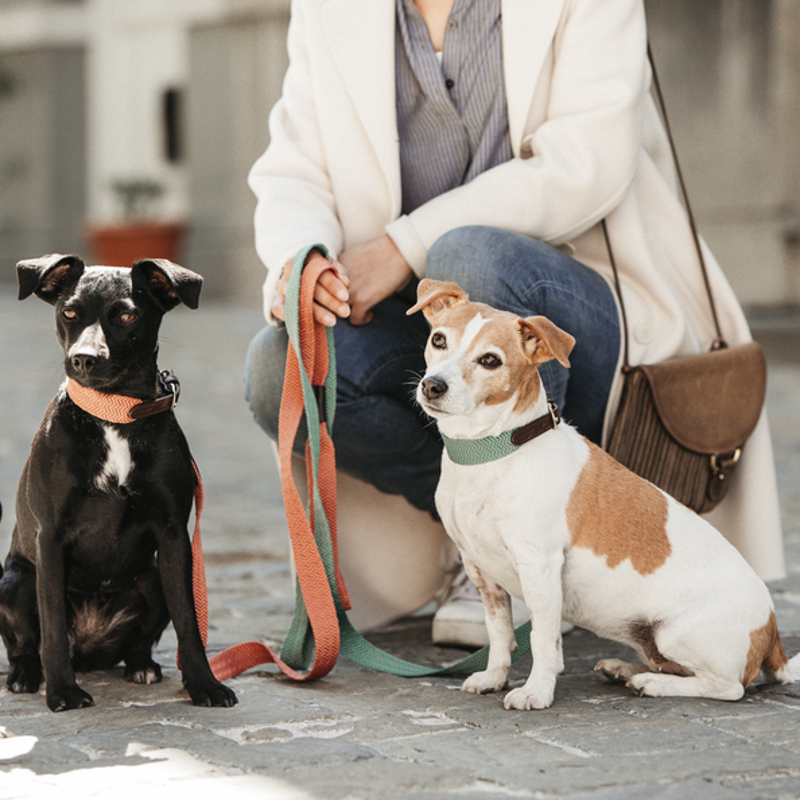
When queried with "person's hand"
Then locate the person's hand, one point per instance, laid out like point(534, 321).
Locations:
point(376, 270)
point(330, 296)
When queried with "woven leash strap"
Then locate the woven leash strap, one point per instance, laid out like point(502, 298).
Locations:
point(311, 534)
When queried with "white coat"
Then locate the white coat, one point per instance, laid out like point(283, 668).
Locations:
point(588, 144)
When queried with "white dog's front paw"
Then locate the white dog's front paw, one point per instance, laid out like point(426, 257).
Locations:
point(485, 681)
point(526, 698)
point(647, 683)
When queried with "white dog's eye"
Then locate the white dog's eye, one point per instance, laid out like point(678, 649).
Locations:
point(490, 361)
point(439, 341)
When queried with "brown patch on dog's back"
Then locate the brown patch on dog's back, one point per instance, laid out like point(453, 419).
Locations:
point(616, 514)
point(766, 650)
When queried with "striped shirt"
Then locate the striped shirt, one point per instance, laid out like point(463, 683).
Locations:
point(452, 118)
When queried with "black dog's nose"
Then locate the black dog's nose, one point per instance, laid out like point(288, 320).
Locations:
point(83, 363)
point(433, 388)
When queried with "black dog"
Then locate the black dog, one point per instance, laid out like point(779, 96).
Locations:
point(97, 500)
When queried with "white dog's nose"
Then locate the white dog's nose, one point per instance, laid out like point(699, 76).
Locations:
point(433, 388)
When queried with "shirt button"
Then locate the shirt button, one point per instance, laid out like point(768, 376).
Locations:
point(449, 83)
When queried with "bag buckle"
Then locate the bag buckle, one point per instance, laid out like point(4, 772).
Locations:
point(718, 463)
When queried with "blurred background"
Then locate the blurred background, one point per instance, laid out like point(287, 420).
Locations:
point(142, 117)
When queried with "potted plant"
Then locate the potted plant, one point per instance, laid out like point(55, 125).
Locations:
point(139, 234)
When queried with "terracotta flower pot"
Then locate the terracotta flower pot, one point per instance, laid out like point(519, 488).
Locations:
point(121, 245)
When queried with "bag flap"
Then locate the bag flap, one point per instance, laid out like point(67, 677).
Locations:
point(711, 402)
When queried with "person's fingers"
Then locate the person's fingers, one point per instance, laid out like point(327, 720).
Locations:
point(360, 314)
point(342, 273)
point(324, 316)
point(336, 285)
point(332, 295)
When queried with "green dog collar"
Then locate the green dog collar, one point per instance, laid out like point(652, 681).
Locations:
point(470, 452)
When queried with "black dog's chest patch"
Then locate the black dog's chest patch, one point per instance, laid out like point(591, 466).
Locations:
point(117, 465)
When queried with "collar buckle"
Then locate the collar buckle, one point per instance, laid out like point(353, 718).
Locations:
point(169, 382)
point(554, 414)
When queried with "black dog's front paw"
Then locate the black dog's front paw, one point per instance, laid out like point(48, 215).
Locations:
point(145, 671)
point(68, 697)
point(25, 676)
point(212, 694)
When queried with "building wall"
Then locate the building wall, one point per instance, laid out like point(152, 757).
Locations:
point(785, 86)
point(730, 70)
point(136, 51)
point(236, 70)
point(42, 154)
point(718, 61)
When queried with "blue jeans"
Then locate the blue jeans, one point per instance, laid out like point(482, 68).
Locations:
point(380, 434)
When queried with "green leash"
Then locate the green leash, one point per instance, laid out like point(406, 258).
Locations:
point(298, 646)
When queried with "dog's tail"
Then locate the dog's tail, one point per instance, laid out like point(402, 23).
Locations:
point(793, 668)
point(778, 667)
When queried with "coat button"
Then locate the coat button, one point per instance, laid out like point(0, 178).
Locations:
point(643, 332)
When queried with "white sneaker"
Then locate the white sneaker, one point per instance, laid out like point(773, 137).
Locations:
point(461, 621)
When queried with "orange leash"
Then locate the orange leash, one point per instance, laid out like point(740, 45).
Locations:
point(312, 576)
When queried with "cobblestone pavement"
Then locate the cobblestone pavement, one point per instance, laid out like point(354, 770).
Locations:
point(359, 734)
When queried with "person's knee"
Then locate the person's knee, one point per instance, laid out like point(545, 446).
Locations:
point(492, 265)
point(461, 255)
point(264, 370)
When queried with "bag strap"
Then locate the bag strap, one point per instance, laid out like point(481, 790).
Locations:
point(719, 341)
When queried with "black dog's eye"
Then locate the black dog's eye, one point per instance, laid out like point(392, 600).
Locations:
point(439, 341)
point(490, 361)
point(127, 316)
point(68, 313)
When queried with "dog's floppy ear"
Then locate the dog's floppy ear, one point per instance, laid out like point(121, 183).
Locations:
point(49, 276)
point(167, 283)
point(435, 296)
point(542, 340)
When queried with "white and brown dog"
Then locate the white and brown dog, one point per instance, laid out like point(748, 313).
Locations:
point(538, 511)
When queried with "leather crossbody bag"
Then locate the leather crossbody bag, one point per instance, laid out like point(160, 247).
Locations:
point(682, 423)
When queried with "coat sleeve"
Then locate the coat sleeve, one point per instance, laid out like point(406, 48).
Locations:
point(578, 159)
